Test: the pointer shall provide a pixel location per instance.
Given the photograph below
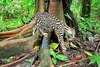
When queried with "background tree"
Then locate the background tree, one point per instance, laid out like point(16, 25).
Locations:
point(86, 8)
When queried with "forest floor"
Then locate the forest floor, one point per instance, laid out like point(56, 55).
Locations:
point(80, 53)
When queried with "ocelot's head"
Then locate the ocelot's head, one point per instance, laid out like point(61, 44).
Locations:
point(71, 32)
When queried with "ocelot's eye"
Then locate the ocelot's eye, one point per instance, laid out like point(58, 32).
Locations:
point(58, 20)
point(57, 27)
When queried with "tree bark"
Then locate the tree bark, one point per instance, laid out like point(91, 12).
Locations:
point(86, 7)
point(12, 47)
point(71, 22)
point(56, 8)
point(40, 6)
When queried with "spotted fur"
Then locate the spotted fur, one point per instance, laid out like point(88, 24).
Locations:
point(48, 22)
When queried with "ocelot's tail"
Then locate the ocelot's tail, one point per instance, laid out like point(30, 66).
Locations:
point(28, 21)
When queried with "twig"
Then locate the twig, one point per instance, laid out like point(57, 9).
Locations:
point(98, 47)
point(17, 61)
point(73, 62)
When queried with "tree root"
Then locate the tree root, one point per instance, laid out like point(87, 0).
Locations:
point(11, 47)
point(17, 43)
point(15, 33)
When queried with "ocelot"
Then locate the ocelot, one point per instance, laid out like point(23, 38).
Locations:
point(47, 22)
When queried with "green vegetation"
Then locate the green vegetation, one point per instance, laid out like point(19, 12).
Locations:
point(95, 59)
point(87, 24)
point(56, 56)
point(53, 45)
point(10, 59)
point(12, 11)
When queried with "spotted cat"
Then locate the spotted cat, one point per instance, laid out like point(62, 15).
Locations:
point(47, 22)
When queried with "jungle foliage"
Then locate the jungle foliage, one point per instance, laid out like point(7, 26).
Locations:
point(12, 11)
point(87, 24)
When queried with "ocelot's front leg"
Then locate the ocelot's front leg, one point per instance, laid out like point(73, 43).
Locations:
point(42, 31)
point(34, 30)
point(61, 40)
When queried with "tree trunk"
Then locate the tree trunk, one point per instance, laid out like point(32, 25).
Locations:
point(56, 8)
point(86, 7)
point(66, 7)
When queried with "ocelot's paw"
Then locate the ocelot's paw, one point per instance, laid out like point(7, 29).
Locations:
point(33, 33)
point(64, 48)
point(34, 30)
point(64, 53)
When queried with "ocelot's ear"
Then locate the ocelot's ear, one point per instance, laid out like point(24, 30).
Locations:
point(73, 27)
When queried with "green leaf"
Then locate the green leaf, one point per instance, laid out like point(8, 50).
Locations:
point(29, 60)
point(5, 2)
point(52, 53)
point(10, 0)
point(10, 59)
point(36, 48)
point(82, 18)
point(91, 62)
point(27, 1)
point(98, 63)
point(54, 45)
point(68, 16)
point(96, 57)
point(61, 57)
point(73, 45)
point(54, 60)
point(88, 53)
